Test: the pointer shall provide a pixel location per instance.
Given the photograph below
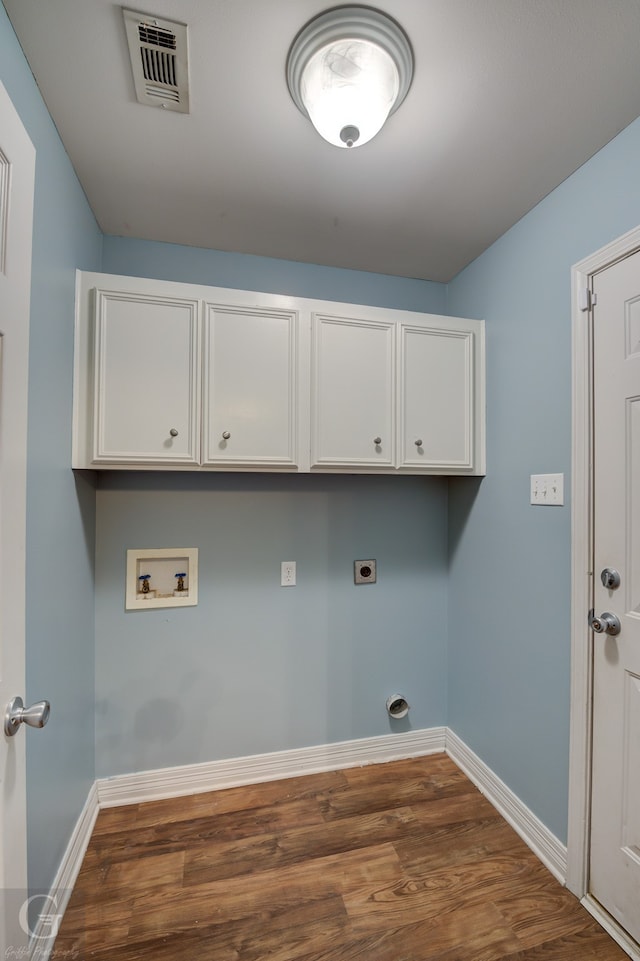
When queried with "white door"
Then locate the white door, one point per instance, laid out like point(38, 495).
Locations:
point(250, 386)
point(436, 402)
point(17, 163)
point(615, 818)
point(146, 379)
point(353, 392)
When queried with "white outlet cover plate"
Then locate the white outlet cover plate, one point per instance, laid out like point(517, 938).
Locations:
point(364, 572)
point(288, 574)
point(547, 490)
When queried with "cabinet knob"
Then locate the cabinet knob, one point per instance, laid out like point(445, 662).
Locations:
point(226, 434)
point(173, 432)
point(377, 441)
point(419, 442)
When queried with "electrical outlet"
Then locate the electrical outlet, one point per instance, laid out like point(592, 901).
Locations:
point(364, 572)
point(547, 489)
point(288, 574)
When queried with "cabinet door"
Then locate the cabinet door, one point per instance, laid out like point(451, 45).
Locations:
point(436, 402)
point(250, 378)
point(353, 392)
point(146, 379)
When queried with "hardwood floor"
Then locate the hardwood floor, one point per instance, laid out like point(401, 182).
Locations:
point(393, 862)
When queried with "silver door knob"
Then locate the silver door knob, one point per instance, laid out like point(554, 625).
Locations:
point(226, 434)
point(610, 578)
point(173, 432)
point(419, 442)
point(16, 714)
point(606, 624)
point(377, 441)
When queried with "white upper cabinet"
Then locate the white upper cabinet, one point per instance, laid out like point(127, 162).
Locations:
point(250, 386)
point(182, 377)
point(145, 379)
point(352, 392)
point(438, 400)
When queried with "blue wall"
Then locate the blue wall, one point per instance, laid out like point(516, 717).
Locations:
point(265, 668)
point(143, 258)
point(256, 667)
point(60, 513)
point(509, 642)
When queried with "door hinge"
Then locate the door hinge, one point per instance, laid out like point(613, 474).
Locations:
point(586, 298)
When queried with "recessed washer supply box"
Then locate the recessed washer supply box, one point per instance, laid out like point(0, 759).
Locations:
point(161, 577)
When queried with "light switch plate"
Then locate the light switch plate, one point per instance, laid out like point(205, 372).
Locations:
point(547, 490)
point(364, 572)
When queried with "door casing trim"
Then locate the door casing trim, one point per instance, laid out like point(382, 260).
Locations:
point(582, 558)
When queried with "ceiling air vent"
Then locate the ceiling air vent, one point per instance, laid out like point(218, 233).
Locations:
point(159, 61)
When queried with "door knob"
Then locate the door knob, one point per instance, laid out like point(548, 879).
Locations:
point(610, 578)
point(606, 624)
point(16, 714)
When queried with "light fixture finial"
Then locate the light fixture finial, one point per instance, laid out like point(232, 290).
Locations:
point(348, 70)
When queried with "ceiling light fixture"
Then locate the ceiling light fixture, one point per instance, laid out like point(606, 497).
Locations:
point(348, 70)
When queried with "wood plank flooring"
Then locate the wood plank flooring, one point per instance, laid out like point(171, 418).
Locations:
point(403, 861)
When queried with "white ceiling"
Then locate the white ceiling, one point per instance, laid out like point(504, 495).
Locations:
point(509, 97)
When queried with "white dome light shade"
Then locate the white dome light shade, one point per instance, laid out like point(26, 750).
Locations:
point(348, 89)
point(347, 70)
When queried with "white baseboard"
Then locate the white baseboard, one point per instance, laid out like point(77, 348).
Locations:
point(234, 772)
point(42, 938)
point(533, 832)
point(611, 926)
